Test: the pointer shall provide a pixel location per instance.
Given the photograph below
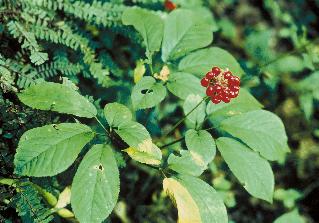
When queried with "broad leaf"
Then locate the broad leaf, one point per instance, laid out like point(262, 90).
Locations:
point(139, 140)
point(186, 163)
point(184, 84)
point(306, 103)
point(201, 145)
point(148, 24)
point(251, 170)
point(151, 156)
point(243, 103)
point(261, 130)
point(196, 201)
point(117, 114)
point(51, 149)
point(59, 98)
point(202, 61)
point(197, 116)
point(291, 217)
point(96, 185)
point(184, 31)
point(147, 93)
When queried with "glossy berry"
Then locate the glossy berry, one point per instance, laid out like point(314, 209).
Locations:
point(210, 75)
point(227, 75)
point(204, 82)
point(234, 88)
point(225, 99)
point(221, 85)
point(215, 100)
point(217, 88)
point(210, 91)
point(233, 94)
point(216, 70)
point(234, 80)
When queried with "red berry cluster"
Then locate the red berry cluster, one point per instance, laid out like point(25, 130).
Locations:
point(221, 85)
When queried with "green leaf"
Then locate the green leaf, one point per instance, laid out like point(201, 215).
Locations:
point(186, 163)
point(38, 58)
point(198, 115)
point(306, 103)
point(202, 61)
point(291, 217)
point(307, 83)
point(184, 84)
point(117, 114)
point(201, 145)
point(137, 137)
point(196, 201)
point(148, 24)
point(243, 103)
point(184, 31)
point(51, 149)
point(288, 197)
point(59, 98)
point(147, 93)
point(96, 185)
point(151, 156)
point(251, 170)
point(261, 130)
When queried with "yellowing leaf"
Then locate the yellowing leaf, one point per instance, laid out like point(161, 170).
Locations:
point(196, 201)
point(187, 209)
point(139, 71)
point(146, 154)
point(64, 198)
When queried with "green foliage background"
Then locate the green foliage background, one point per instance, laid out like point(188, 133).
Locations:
point(86, 46)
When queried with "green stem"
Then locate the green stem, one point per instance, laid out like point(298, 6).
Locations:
point(96, 118)
point(297, 50)
point(180, 121)
point(172, 143)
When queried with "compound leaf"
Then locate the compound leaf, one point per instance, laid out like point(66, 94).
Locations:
point(51, 149)
point(251, 170)
point(196, 201)
point(96, 185)
point(184, 31)
point(261, 130)
point(116, 114)
point(59, 98)
point(147, 93)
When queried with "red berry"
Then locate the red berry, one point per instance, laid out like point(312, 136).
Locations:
point(227, 75)
point(234, 80)
point(226, 99)
point(234, 88)
point(215, 99)
point(225, 92)
point(217, 88)
point(210, 91)
point(216, 70)
point(233, 94)
point(204, 82)
point(169, 5)
point(210, 75)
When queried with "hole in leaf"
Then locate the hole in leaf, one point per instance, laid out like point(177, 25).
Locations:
point(146, 91)
point(99, 167)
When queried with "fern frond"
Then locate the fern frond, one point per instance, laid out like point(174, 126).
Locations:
point(29, 205)
point(105, 14)
point(68, 37)
point(28, 41)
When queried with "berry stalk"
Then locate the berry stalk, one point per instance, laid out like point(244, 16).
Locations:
point(180, 121)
